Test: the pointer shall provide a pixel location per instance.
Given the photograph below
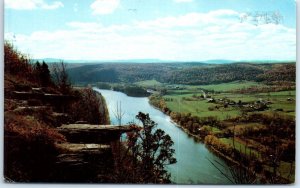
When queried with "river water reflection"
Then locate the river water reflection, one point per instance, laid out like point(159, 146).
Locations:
point(193, 166)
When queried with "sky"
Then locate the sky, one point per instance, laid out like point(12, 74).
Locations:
point(177, 30)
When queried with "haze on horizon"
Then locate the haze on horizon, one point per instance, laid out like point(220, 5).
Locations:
point(173, 30)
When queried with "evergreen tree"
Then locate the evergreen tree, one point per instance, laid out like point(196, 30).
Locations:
point(42, 74)
point(45, 76)
point(37, 72)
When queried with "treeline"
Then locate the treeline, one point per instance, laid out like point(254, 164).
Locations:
point(133, 91)
point(272, 87)
point(129, 89)
point(281, 72)
point(278, 134)
point(94, 73)
point(217, 74)
point(175, 73)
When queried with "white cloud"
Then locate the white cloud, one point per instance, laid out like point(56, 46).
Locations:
point(183, 1)
point(195, 36)
point(31, 4)
point(104, 6)
point(85, 26)
point(218, 17)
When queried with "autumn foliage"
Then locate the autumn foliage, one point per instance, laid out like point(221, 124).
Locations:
point(90, 107)
point(29, 149)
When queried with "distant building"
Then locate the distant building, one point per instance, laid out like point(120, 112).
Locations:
point(210, 100)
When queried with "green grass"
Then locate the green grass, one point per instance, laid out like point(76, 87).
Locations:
point(182, 92)
point(225, 87)
point(215, 130)
point(278, 100)
point(239, 146)
point(281, 93)
point(199, 107)
point(236, 97)
point(284, 169)
point(149, 83)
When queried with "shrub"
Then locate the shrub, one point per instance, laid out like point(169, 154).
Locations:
point(213, 141)
point(15, 62)
point(29, 149)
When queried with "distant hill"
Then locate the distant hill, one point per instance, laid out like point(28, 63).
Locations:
point(181, 73)
point(219, 61)
point(212, 61)
point(56, 60)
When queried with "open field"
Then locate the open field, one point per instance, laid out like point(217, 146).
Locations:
point(198, 108)
point(224, 87)
point(149, 83)
point(182, 100)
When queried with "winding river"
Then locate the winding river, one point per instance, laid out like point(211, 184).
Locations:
point(193, 166)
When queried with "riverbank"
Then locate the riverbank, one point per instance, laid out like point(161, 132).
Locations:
point(189, 153)
point(199, 138)
point(218, 137)
point(129, 90)
point(166, 111)
point(229, 160)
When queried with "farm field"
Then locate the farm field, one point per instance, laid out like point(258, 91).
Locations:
point(198, 108)
point(149, 83)
point(183, 101)
point(191, 106)
point(224, 87)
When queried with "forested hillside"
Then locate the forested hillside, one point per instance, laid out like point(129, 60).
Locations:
point(177, 73)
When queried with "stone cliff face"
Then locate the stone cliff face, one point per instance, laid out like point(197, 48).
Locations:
point(83, 155)
point(103, 110)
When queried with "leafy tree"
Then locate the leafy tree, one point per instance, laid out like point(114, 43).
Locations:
point(150, 150)
point(61, 77)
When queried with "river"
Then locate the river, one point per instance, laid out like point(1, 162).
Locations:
point(193, 166)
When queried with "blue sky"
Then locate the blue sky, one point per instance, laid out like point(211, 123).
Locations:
point(184, 30)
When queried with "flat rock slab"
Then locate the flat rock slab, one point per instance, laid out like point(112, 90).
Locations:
point(86, 133)
point(89, 127)
point(70, 158)
point(31, 109)
point(81, 148)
